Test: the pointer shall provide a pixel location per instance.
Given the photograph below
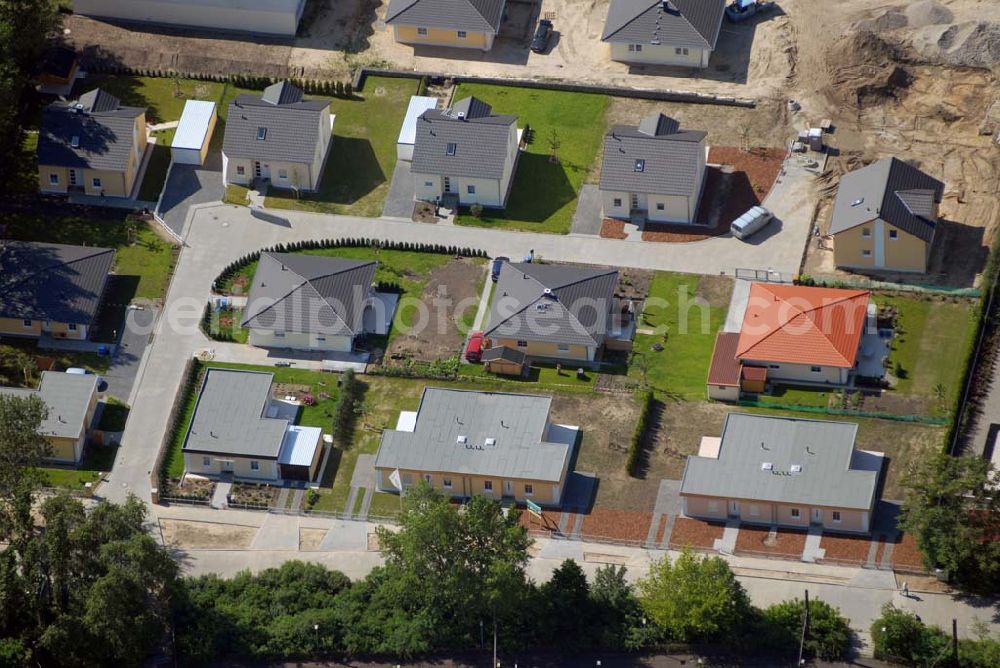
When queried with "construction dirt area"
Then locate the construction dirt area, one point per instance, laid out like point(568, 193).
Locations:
point(192, 535)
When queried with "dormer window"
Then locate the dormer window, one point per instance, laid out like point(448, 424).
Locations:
point(640, 165)
point(451, 149)
point(261, 134)
point(75, 141)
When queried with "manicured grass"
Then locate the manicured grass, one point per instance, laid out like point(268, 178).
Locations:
point(98, 459)
point(156, 169)
point(65, 359)
point(164, 97)
point(235, 195)
point(544, 192)
point(690, 310)
point(363, 152)
point(797, 396)
point(539, 378)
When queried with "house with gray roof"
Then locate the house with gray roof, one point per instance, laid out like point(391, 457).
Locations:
point(71, 402)
point(663, 32)
point(465, 155)
point(781, 471)
point(653, 171)
point(463, 24)
point(279, 137)
point(466, 443)
point(91, 146)
point(240, 430)
point(52, 290)
point(558, 313)
point(313, 302)
point(885, 217)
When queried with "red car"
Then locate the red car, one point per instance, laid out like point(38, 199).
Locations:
point(474, 349)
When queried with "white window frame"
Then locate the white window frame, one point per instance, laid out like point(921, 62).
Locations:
point(241, 170)
point(795, 513)
point(254, 465)
point(893, 235)
point(72, 326)
point(26, 323)
point(422, 32)
point(529, 489)
point(681, 51)
point(95, 181)
point(835, 517)
point(53, 179)
point(279, 335)
point(206, 462)
point(487, 486)
point(428, 184)
point(462, 34)
point(470, 189)
point(866, 232)
point(261, 133)
point(446, 483)
point(616, 202)
point(866, 252)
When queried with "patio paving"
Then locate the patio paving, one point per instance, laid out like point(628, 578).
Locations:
point(399, 201)
point(588, 218)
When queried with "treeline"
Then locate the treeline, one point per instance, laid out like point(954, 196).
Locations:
point(902, 637)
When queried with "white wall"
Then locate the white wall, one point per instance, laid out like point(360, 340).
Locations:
point(404, 152)
point(802, 373)
point(230, 15)
point(723, 393)
point(194, 462)
point(185, 156)
point(488, 191)
point(300, 341)
point(660, 55)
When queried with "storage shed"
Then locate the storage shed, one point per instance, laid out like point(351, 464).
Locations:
point(408, 133)
point(194, 133)
point(504, 360)
point(300, 453)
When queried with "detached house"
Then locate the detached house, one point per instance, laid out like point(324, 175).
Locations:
point(466, 24)
point(663, 32)
point(653, 171)
point(91, 146)
point(465, 154)
point(312, 302)
point(785, 472)
point(51, 290)
point(885, 216)
point(278, 137)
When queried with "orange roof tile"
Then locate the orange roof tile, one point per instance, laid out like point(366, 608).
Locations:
point(801, 325)
point(725, 369)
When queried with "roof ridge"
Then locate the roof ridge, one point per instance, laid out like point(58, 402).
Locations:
point(55, 265)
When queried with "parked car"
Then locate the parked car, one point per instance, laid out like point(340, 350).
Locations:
point(474, 348)
point(740, 10)
point(543, 33)
point(751, 222)
point(497, 264)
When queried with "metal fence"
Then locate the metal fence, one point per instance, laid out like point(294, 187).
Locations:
point(762, 275)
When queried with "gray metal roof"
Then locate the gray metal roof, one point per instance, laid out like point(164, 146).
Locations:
point(481, 140)
point(517, 422)
point(100, 126)
point(309, 293)
point(823, 449)
point(229, 416)
point(52, 281)
point(670, 157)
point(678, 23)
point(574, 311)
point(504, 353)
point(67, 397)
point(480, 15)
point(895, 191)
point(292, 125)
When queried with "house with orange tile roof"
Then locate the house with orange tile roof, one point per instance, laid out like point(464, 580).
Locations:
point(797, 335)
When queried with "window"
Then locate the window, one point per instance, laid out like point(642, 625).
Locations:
point(681, 51)
point(618, 201)
point(816, 369)
point(488, 486)
point(422, 32)
point(773, 366)
point(279, 335)
point(522, 344)
point(529, 489)
point(407, 479)
point(795, 513)
point(72, 326)
point(96, 181)
point(254, 465)
point(282, 173)
point(639, 166)
point(713, 507)
point(866, 232)
point(461, 34)
point(563, 347)
point(321, 338)
point(74, 141)
point(428, 184)
point(261, 134)
point(893, 234)
point(836, 516)
point(54, 179)
point(470, 189)
point(866, 253)
point(637, 48)
point(427, 478)
point(446, 483)
point(659, 206)
point(754, 510)
point(241, 170)
point(206, 461)
point(26, 323)
point(451, 149)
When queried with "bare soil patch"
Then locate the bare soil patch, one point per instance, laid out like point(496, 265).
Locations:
point(695, 534)
point(310, 539)
point(192, 535)
point(616, 524)
point(754, 540)
point(852, 550)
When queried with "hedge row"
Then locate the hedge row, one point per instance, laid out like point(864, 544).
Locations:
point(187, 392)
point(639, 435)
point(346, 409)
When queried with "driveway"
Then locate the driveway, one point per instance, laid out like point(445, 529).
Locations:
point(399, 202)
point(131, 347)
point(188, 185)
point(587, 219)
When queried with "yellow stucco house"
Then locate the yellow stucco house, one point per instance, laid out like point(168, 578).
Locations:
point(681, 33)
point(885, 217)
point(91, 146)
point(464, 24)
point(71, 401)
point(465, 443)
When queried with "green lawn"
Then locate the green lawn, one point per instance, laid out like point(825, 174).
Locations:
point(543, 197)
point(156, 169)
point(540, 378)
point(363, 152)
point(691, 309)
point(236, 195)
point(97, 460)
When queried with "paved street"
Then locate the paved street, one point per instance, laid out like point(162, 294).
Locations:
point(125, 365)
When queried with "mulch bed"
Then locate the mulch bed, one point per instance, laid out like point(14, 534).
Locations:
point(846, 549)
point(613, 229)
point(694, 533)
point(630, 525)
point(788, 543)
point(906, 556)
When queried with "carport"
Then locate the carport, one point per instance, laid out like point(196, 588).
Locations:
point(194, 133)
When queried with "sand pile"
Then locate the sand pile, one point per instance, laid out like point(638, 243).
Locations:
point(864, 69)
point(968, 44)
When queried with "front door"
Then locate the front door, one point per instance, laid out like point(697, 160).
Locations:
point(508, 488)
point(734, 508)
point(256, 169)
point(817, 516)
point(227, 465)
point(447, 184)
point(72, 178)
point(635, 201)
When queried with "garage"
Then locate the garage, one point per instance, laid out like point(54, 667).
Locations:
point(194, 133)
point(300, 453)
point(408, 133)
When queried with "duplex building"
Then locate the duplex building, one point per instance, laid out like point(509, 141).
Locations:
point(784, 472)
point(239, 430)
point(279, 137)
point(51, 289)
point(653, 171)
point(265, 17)
point(464, 24)
point(465, 154)
point(885, 217)
point(91, 146)
point(466, 443)
point(663, 32)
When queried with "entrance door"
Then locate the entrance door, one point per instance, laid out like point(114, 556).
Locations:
point(635, 201)
point(734, 508)
point(447, 184)
point(72, 177)
point(508, 488)
point(227, 465)
point(817, 516)
point(256, 169)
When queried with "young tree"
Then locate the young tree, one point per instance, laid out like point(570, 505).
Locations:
point(899, 636)
point(829, 634)
point(619, 617)
point(554, 145)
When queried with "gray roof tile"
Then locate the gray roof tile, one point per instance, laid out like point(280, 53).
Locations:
point(671, 158)
point(292, 125)
point(680, 23)
point(102, 128)
point(482, 141)
point(480, 15)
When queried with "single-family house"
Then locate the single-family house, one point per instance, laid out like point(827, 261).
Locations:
point(798, 335)
point(784, 472)
point(313, 302)
point(653, 171)
point(465, 24)
point(885, 216)
point(279, 137)
point(408, 131)
point(465, 443)
point(91, 146)
point(465, 154)
point(59, 71)
point(663, 32)
point(71, 401)
point(556, 313)
point(51, 289)
point(238, 429)
point(262, 17)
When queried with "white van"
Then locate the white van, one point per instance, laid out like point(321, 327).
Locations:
point(750, 222)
